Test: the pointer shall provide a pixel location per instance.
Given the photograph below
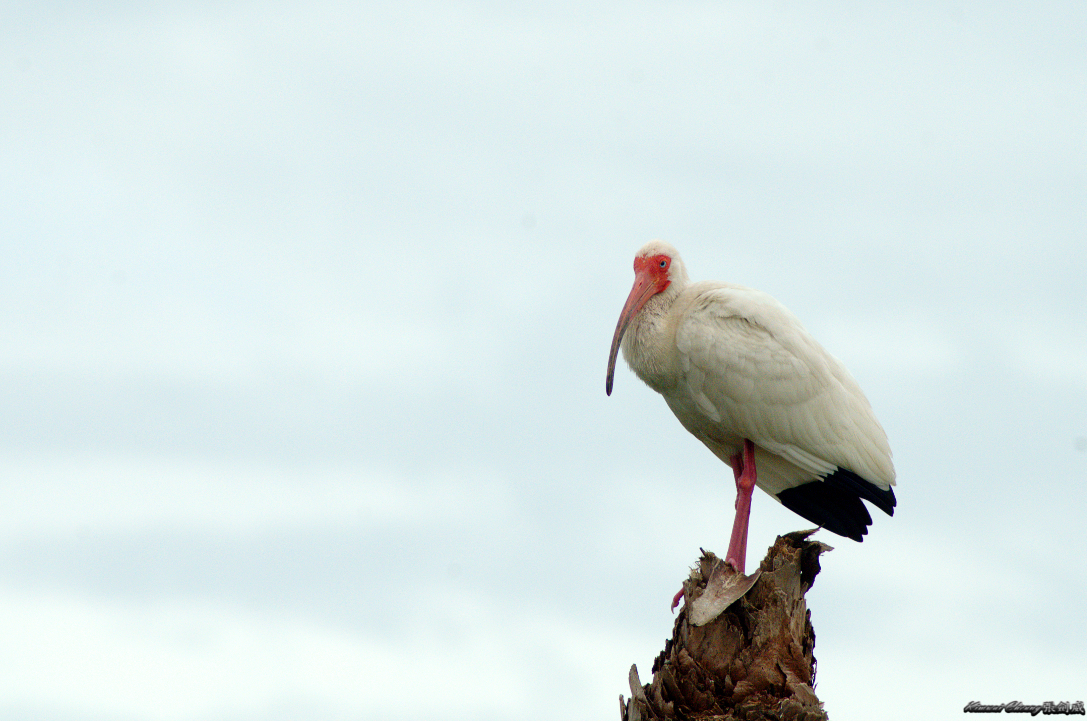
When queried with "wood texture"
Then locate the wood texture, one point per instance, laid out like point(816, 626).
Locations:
point(753, 661)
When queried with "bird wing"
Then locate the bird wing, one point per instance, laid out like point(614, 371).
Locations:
point(752, 371)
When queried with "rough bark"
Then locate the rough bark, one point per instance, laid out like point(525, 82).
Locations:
point(752, 661)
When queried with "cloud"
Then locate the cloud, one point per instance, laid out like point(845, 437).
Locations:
point(128, 495)
point(463, 657)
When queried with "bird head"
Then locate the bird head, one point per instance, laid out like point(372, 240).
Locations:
point(656, 267)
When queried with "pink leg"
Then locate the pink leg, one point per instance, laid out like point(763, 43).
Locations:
point(743, 469)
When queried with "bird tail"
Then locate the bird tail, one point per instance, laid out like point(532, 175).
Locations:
point(835, 503)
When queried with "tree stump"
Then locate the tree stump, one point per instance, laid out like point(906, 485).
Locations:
point(751, 661)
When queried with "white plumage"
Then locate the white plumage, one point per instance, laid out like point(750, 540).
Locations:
point(735, 364)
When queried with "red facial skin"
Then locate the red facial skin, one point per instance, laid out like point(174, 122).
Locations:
point(650, 278)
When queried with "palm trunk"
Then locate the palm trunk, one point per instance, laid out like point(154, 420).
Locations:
point(751, 660)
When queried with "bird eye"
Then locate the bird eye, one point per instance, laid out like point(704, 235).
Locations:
point(664, 263)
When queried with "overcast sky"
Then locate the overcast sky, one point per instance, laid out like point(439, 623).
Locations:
point(305, 318)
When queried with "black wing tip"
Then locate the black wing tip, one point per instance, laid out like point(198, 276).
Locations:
point(835, 503)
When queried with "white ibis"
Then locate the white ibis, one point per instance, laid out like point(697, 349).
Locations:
point(743, 376)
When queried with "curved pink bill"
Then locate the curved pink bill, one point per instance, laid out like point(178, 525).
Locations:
point(644, 288)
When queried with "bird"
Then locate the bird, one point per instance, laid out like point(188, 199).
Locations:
point(745, 378)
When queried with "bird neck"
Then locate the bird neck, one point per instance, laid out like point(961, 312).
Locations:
point(648, 346)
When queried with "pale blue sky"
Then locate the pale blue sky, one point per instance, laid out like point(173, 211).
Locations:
point(306, 313)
